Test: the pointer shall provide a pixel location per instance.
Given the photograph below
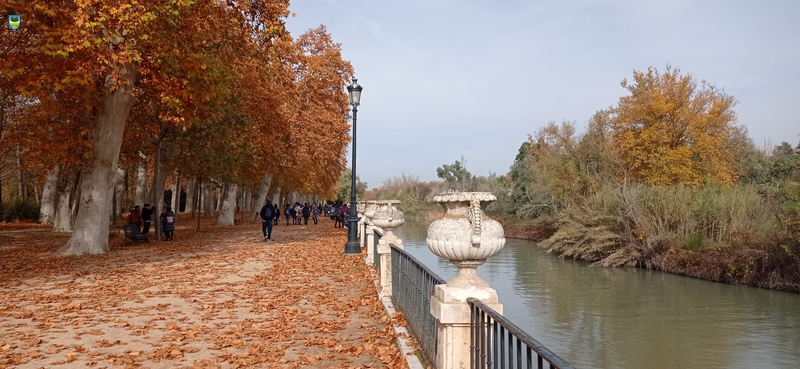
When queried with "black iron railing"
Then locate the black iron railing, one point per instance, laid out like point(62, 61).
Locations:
point(376, 258)
point(495, 342)
point(412, 287)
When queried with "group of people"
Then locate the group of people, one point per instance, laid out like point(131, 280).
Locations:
point(143, 217)
point(299, 214)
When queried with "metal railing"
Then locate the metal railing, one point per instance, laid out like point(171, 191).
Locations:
point(376, 258)
point(495, 342)
point(413, 286)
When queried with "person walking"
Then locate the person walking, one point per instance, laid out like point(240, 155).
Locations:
point(315, 213)
point(345, 216)
point(288, 213)
point(267, 215)
point(147, 217)
point(168, 220)
point(293, 212)
point(306, 213)
point(277, 210)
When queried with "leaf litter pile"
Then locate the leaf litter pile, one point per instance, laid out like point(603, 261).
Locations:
point(221, 298)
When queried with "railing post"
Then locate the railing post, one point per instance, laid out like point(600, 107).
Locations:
point(360, 207)
point(388, 218)
point(369, 232)
point(466, 237)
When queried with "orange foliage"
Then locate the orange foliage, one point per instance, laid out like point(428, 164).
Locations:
point(672, 130)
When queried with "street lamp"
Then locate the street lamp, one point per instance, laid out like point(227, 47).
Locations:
point(352, 247)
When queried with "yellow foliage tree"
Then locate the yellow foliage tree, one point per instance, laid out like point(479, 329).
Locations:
point(670, 129)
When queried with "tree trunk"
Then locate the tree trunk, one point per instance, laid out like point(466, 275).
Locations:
point(141, 183)
point(176, 195)
point(47, 211)
point(261, 199)
point(20, 184)
point(159, 181)
point(219, 198)
point(208, 199)
point(228, 209)
point(246, 200)
point(191, 199)
point(118, 193)
point(62, 220)
point(197, 204)
point(97, 183)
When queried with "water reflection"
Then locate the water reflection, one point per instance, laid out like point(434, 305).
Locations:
point(632, 318)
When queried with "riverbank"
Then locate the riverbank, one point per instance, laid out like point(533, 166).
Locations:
point(769, 266)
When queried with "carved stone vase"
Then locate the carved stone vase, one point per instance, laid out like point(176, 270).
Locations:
point(370, 211)
point(465, 235)
point(388, 218)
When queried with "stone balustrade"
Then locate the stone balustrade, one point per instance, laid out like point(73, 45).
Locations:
point(466, 237)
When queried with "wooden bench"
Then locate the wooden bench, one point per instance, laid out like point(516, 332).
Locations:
point(133, 233)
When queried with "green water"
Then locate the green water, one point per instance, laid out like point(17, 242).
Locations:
point(631, 318)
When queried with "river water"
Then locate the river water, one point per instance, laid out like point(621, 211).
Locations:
point(632, 318)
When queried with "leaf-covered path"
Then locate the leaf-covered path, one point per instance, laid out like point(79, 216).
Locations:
point(219, 298)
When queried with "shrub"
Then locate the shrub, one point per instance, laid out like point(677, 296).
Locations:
point(27, 210)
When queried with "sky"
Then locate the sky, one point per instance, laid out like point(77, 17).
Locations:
point(446, 78)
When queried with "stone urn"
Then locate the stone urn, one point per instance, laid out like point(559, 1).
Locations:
point(370, 211)
point(465, 235)
point(388, 218)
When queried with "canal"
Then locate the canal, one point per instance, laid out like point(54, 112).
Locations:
point(632, 318)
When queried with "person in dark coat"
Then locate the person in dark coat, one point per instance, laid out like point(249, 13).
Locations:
point(267, 215)
point(147, 217)
point(168, 219)
point(306, 213)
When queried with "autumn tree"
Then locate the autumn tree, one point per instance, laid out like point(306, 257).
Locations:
point(672, 129)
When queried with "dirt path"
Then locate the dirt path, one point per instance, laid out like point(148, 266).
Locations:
point(219, 298)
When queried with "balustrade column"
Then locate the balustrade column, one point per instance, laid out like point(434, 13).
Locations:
point(360, 207)
point(466, 237)
point(388, 218)
point(369, 232)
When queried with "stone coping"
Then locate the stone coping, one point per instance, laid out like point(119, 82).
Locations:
point(464, 196)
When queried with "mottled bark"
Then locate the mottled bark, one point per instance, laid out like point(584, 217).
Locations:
point(209, 189)
point(118, 193)
point(62, 221)
point(191, 199)
point(47, 210)
point(141, 183)
point(159, 180)
point(228, 208)
point(97, 184)
point(261, 197)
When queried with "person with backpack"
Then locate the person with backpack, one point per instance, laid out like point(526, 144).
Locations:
point(315, 213)
point(306, 213)
point(288, 213)
point(168, 220)
point(267, 215)
point(293, 213)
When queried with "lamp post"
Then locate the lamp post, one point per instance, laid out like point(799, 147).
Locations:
point(352, 247)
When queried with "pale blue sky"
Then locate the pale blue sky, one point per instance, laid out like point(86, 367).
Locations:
point(444, 78)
